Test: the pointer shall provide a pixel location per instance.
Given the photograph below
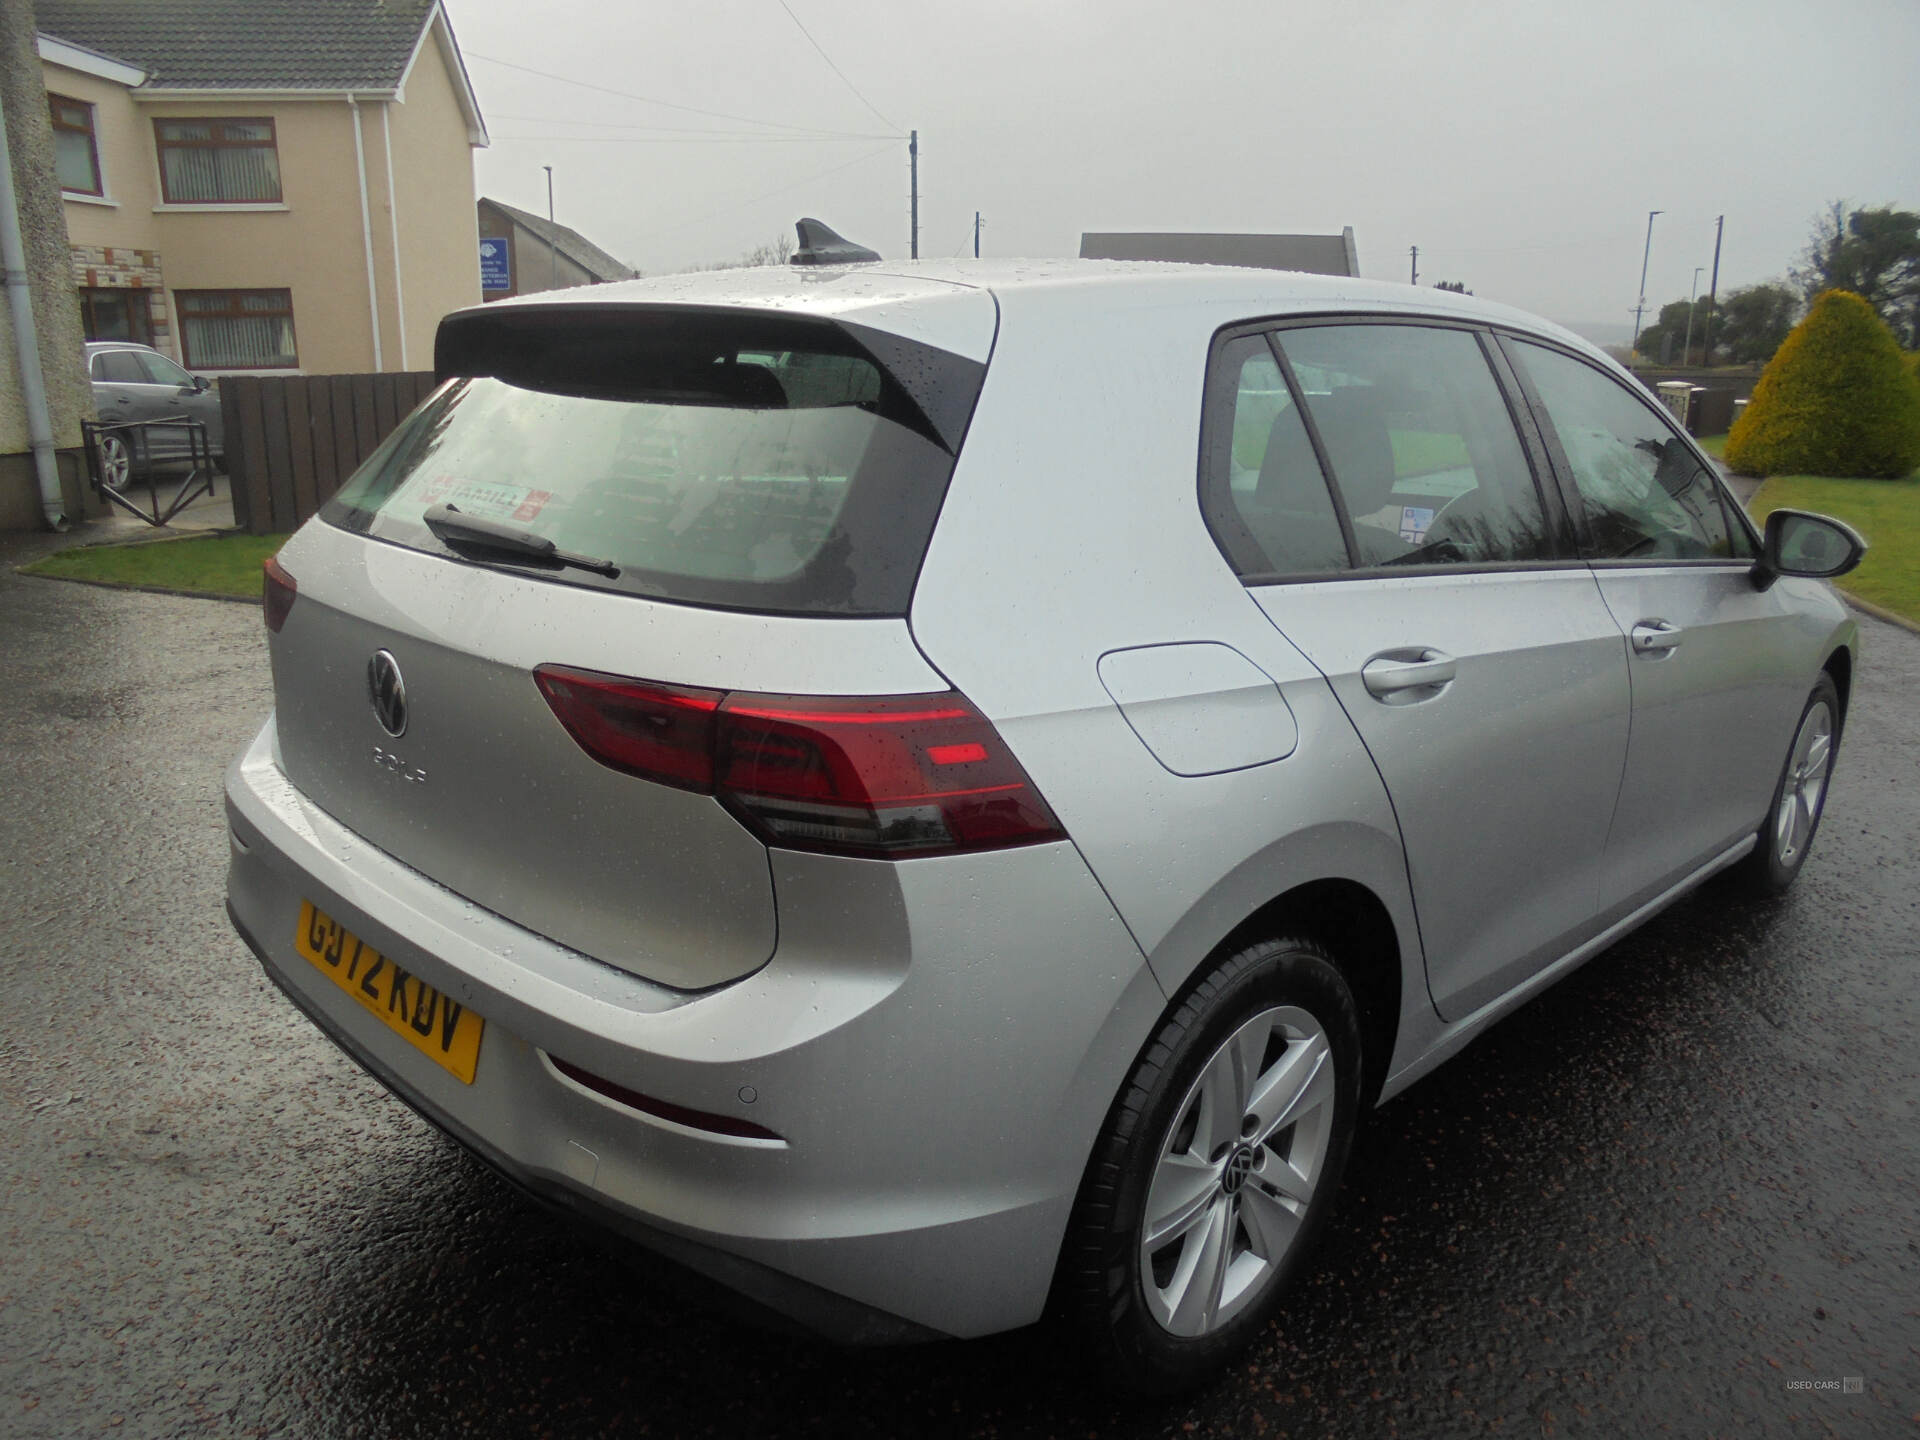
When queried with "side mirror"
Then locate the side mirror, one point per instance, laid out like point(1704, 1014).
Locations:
point(1804, 544)
point(201, 384)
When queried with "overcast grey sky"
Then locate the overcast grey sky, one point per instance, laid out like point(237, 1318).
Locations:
point(1519, 145)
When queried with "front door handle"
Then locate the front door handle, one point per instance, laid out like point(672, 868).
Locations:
point(1653, 637)
point(1396, 676)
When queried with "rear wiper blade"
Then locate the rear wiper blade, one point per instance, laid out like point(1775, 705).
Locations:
point(473, 532)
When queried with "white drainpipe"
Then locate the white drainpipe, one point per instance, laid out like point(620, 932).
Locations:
point(393, 215)
point(366, 231)
point(26, 335)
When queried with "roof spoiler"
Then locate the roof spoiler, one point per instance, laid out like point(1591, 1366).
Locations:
point(820, 244)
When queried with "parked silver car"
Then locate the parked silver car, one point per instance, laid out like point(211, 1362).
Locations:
point(137, 382)
point(925, 790)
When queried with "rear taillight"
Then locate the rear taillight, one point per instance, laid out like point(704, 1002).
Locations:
point(659, 732)
point(885, 776)
point(895, 775)
point(277, 592)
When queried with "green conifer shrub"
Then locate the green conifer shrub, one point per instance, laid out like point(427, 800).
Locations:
point(1838, 398)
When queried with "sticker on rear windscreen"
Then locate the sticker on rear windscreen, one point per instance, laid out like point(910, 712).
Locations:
point(1414, 520)
point(486, 499)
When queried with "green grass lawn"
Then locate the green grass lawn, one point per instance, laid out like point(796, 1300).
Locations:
point(1887, 512)
point(1424, 452)
point(1714, 445)
point(210, 565)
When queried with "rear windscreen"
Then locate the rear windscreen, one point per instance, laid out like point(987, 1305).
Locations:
point(743, 462)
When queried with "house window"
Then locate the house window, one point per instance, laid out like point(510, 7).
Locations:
point(76, 158)
point(237, 329)
point(213, 162)
point(116, 315)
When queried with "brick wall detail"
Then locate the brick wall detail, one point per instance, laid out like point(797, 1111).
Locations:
point(115, 267)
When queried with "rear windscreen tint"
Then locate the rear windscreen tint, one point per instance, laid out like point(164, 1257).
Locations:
point(773, 466)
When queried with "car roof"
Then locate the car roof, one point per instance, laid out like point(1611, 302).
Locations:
point(888, 290)
point(94, 347)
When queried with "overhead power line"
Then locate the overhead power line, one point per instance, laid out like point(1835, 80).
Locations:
point(695, 131)
point(698, 140)
point(835, 68)
point(668, 104)
point(886, 149)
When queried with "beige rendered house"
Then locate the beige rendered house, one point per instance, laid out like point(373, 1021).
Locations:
point(265, 186)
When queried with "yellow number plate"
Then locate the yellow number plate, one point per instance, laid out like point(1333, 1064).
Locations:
point(446, 1033)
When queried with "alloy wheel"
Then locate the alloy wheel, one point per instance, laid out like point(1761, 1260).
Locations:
point(1237, 1171)
point(116, 462)
point(1805, 787)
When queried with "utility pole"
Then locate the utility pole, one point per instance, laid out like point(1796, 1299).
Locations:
point(1713, 288)
point(1693, 291)
point(1416, 265)
point(913, 194)
point(553, 257)
point(1645, 255)
point(976, 234)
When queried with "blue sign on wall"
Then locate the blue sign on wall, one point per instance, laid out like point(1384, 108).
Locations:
point(494, 272)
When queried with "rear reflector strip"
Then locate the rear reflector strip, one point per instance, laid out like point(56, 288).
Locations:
point(665, 1109)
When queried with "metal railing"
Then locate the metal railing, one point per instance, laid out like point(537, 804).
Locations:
point(120, 456)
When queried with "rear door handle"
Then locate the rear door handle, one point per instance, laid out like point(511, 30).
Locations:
point(1391, 676)
point(1652, 637)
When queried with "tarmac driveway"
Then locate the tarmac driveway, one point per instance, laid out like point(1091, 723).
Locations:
point(1679, 1194)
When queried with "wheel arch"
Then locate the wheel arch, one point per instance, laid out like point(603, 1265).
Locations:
point(1355, 922)
point(1357, 929)
point(1839, 665)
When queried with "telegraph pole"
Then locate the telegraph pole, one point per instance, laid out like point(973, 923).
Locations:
point(1416, 265)
point(1645, 255)
point(976, 234)
point(913, 194)
point(1713, 289)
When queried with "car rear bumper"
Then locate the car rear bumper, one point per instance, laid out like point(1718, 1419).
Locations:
point(935, 1043)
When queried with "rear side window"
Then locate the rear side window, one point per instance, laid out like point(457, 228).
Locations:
point(735, 461)
point(1265, 493)
point(1645, 494)
point(1424, 453)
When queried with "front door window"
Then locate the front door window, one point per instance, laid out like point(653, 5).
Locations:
point(116, 315)
point(1645, 493)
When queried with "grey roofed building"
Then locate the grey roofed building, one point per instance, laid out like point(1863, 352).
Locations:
point(248, 44)
point(1314, 254)
point(573, 259)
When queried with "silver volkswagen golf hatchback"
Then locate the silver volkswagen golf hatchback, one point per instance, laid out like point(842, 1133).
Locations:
point(936, 794)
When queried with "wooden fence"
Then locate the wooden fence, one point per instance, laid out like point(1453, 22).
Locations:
point(292, 440)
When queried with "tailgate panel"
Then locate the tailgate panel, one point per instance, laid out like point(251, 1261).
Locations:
point(484, 791)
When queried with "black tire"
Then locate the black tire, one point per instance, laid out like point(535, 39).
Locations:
point(1106, 1277)
point(1771, 866)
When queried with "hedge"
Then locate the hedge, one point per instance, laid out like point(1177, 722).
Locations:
point(1838, 398)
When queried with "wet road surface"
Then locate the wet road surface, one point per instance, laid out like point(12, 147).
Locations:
point(1678, 1195)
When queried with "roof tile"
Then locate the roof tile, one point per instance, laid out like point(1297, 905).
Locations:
point(247, 44)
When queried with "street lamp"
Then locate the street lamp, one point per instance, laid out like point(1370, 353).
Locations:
point(1693, 292)
point(553, 258)
point(1645, 254)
